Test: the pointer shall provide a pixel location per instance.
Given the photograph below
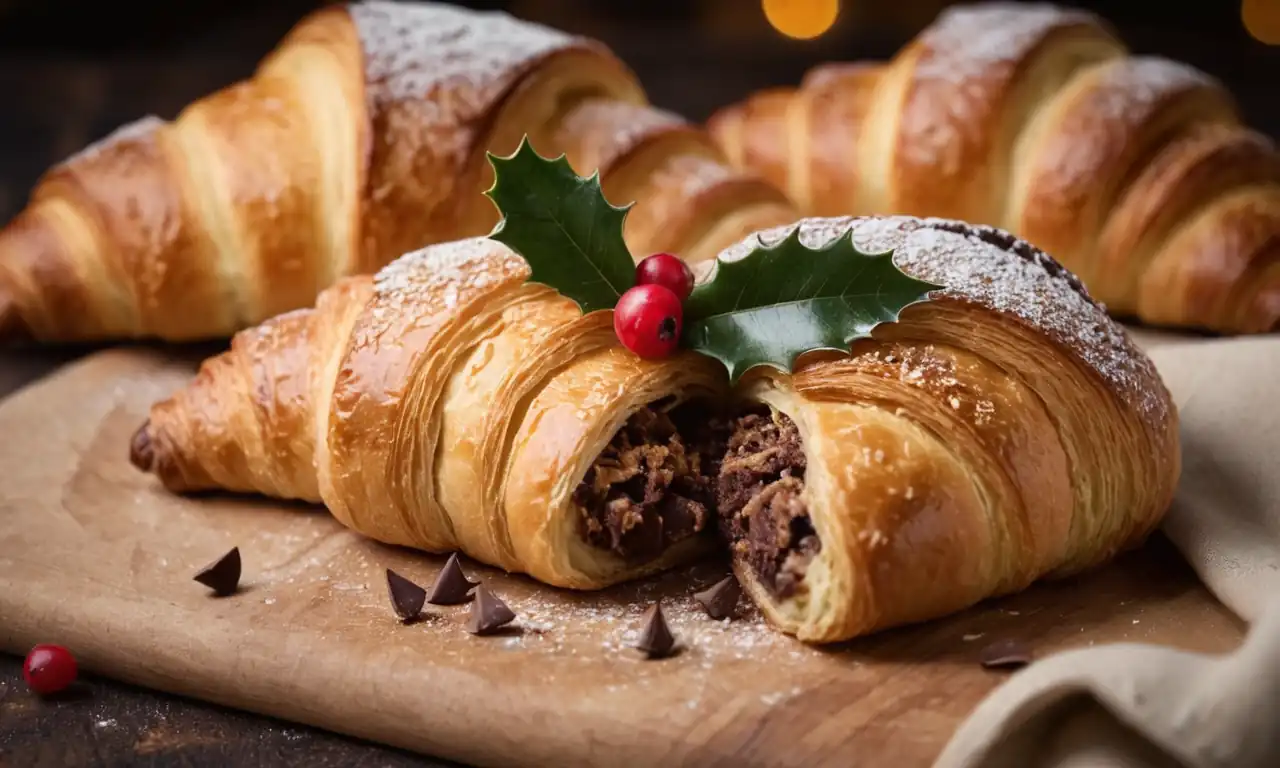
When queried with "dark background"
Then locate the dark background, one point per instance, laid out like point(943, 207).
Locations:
point(71, 70)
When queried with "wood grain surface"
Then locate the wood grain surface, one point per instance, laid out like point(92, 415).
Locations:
point(105, 722)
point(67, 83)
point(92, 555)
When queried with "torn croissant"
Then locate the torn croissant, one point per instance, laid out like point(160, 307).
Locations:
point(1002, 432)
point(450, 404)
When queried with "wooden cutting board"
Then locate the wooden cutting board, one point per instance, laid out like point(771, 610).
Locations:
point(94, 556)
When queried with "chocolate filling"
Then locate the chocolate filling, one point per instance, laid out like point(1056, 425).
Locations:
point(758, 497)
point(654, 484)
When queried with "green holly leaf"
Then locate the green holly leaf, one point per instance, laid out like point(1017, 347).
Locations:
point(782, 300)
point(563, 226)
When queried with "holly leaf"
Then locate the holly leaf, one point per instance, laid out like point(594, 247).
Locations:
point(562, 225)
point(782, 300)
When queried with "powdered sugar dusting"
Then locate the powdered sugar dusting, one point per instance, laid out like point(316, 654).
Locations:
point(966, 41)
point(674, 187)
point(699, 173)
point(439, 277)
point(1128, 89)
point(1123, 97)
point(968, 55)
point(127, 132)
point(412, 50)
point(580, 639)
point(475, 262)
point(922, 367)
point(615, 127)
point(992, 269)
point(618, 623)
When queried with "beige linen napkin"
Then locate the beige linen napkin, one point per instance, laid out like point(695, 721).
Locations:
point(1132, 705)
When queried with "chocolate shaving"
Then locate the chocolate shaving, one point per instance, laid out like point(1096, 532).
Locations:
point(720, 600)
point(656, 640)
point(488, 612)
point(407, 598)
point(223, 575)
point(451, 586)
point(1005, 654)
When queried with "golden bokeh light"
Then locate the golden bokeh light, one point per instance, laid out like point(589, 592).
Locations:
point(1262, 20)
point(801, 19)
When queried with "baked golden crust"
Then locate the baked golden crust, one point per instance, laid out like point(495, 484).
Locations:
point(1036, 119)
point(362, 136)
point(694, 203)
point(445, 404)
point(567, 425)
point(1005, 431)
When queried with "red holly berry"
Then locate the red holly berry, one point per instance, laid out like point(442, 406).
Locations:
point(49, 669)
point(668, 271)
point(647, 320)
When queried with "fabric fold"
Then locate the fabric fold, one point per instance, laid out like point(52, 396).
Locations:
point(1145, 706)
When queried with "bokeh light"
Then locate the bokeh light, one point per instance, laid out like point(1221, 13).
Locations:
point(1262, 20)
point(801, 19)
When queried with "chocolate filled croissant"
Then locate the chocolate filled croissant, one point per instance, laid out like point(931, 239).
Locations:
point(449, 404)
point(1135, 172)
point(360, 137)
point(1004, 431)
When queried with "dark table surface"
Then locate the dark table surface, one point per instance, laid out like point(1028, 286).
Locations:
point(106, 723)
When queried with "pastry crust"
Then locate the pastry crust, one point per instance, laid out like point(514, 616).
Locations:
point(1037, 120)
point(1005, 431)
point(567, 425)
point(445, 404)
point(361, 137)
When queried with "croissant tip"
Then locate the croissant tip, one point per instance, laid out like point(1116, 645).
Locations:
point(141, 450)
point(12, 327)
point(718, 119)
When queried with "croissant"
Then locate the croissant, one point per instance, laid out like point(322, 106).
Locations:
point(1004, 431)
point(360, 137)
point(449, 404)
point(1134, 172)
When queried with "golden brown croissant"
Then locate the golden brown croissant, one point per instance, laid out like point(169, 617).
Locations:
point(1134, 172)
point(449, 404)
point(361, 137)
point(1004, 431)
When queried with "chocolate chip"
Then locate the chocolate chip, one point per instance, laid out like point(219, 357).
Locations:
point(488, 612)
point(407, 598)
point(656, 640)
point(1005, 654)
point(451, 586)
point(223, 575)
point(720, 600)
